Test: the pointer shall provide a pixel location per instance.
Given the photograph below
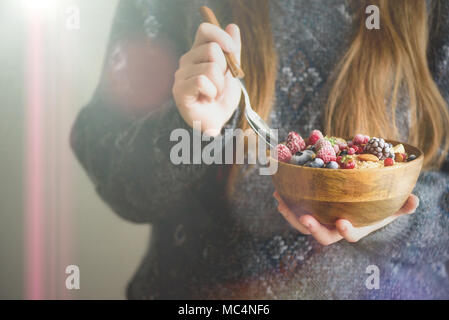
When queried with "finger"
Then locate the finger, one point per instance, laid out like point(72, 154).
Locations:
point(234, 31)
point(208, 52)
point(410, 205)
point(347, 230)
point(277, 196)
point(353, 234)
point(322, 234)
point(289, 215)
point(195, 86)
point(209, 69)
point(208, 32)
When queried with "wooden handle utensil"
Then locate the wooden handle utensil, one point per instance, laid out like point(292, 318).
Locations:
point(209, 16)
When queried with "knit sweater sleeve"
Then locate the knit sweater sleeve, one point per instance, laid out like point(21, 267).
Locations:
point(424, 235)
point(122, 137)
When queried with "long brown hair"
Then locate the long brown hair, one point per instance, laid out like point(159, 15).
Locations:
point(379, 66)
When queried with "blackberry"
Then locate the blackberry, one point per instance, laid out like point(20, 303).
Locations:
point(379, 148)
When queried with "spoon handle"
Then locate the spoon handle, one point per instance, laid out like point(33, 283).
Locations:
point(209, 16)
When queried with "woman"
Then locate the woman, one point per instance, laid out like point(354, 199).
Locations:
point(216, 232)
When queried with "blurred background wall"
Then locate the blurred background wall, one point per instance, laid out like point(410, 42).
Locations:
point(48, 72)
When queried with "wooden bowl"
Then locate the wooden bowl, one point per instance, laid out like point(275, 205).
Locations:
point(362, 196)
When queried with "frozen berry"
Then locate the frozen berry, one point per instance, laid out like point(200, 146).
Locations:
point(327, 154)
point(350, 164)
point(317, 163)
point(351, 151)
point(295, 159)
point(301, 158)
point(308, 163)
point(359, 150)
point(315, 136)
point(323, 142)
point(346, 162)
point(339, 159)
point(411, 157)
point(388, 162)
point(332, 165)
point(379, 148)
point(336, 148)
point(283, 153)
point(327, 158)
point(341, 143)
point(295, 142)
point(360, 139)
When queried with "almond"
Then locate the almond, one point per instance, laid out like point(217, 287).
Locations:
point(367, 157)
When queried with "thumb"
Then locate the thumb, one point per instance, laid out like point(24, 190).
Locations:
point(234, 31)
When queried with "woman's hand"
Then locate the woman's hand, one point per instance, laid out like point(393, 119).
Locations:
point(306, 224)
point(204, 89)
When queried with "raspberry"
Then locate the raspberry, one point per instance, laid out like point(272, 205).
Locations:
point(295, 142)
point(388, 162)
point(323, 142)
point(315, 136)
point(359, 149)
point(327, 154)
point(350, 144)
point(339, 160)
point(346, 162)
point(351, 150)
point(336, 148)
point(360, 139)
point(350, 164)
point(284, 154)
point(327, 158)
point(342, 144)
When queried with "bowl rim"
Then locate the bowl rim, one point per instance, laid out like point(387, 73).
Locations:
point(406, 164)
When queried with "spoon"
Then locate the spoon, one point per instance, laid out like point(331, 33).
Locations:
point(254, 120)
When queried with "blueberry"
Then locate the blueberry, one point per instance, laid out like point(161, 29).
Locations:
point(343, 153)
point(309, 154)
point(303, 158)
point(296, 159)
point(308, 164)
point(332, 165)
point(317, 163)
point(411, 157)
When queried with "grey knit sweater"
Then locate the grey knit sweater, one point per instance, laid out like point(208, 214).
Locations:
point(204, 245)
